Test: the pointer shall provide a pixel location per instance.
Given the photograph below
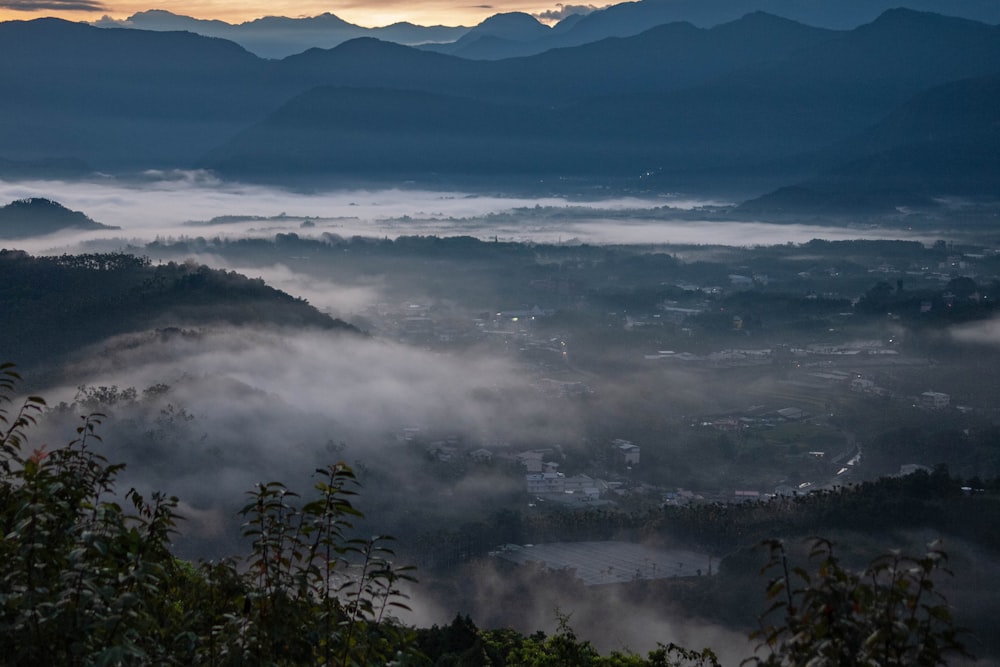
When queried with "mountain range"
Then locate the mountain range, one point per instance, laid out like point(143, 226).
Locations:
point(519, 34)
point(279, 36)
point(743, 107)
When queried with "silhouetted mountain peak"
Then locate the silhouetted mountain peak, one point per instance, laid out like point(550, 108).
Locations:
point(764, 25)
point(517, 19)
point(761, 18)
point(36, 216)
point(512, 25)
point(151, 16)
point(324, 20)
point(567, 23)
point(907, 16)
point(916, 22)
point(46, 25)
point(364, 46)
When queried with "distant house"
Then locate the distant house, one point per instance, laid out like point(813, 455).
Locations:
point(935, 400)
point(625, 452)
point(581, 484)
point(545, 482)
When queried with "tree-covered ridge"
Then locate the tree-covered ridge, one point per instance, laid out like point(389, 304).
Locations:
point(56, 305)
point(37, 216)
point(87, 577)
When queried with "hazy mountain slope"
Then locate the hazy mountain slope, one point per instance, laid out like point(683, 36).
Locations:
point(944, 142)
point(381, 133)
point(411, 34)
point(900, 52)
point(667, 57)
point(117, 98)
point(631, 18)
point(371, 63)
point(500, 37)
point(129, 99)
point(278, 37)
point(841, 15)
point(855, 78)
point(674, 100)
point(503, 31)
point(693, 119)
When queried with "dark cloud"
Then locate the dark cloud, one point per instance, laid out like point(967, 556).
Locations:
point(53, 5)
point(562, 11)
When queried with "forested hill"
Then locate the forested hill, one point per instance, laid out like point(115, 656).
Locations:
point(37, 216)
point(53, 306)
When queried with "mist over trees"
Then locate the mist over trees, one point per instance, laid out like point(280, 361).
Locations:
point(91, 577)
point(64, 303)
point(663, 336)
point(201, 407)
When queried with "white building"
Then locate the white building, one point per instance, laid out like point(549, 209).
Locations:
point(935, 400)
point(545, 482)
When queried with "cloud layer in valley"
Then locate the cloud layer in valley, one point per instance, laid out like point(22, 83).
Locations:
point(229, 408)
point(167, 203)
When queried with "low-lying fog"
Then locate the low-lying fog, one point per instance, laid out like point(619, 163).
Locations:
point(182, 204)
point(218, 410)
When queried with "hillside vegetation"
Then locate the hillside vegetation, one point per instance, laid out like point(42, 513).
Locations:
point(63, 303)
point(89, 578)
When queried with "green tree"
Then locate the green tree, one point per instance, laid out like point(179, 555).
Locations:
point(887, 614)
point(87, 576)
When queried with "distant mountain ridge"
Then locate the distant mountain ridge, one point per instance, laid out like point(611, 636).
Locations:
point(945, 140)
point(278, 36)
point(517, 34)
point(720, 106)
point(744, 107)
point(129, 99)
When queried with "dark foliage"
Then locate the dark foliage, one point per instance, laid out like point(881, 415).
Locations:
point(87, 578)
point(56, 305)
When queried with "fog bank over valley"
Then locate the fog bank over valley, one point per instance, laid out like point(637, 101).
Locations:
point(191, 204)
point(506, 371)
point(601, 328)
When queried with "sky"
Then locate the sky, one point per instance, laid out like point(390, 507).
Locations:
point(368, 13)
